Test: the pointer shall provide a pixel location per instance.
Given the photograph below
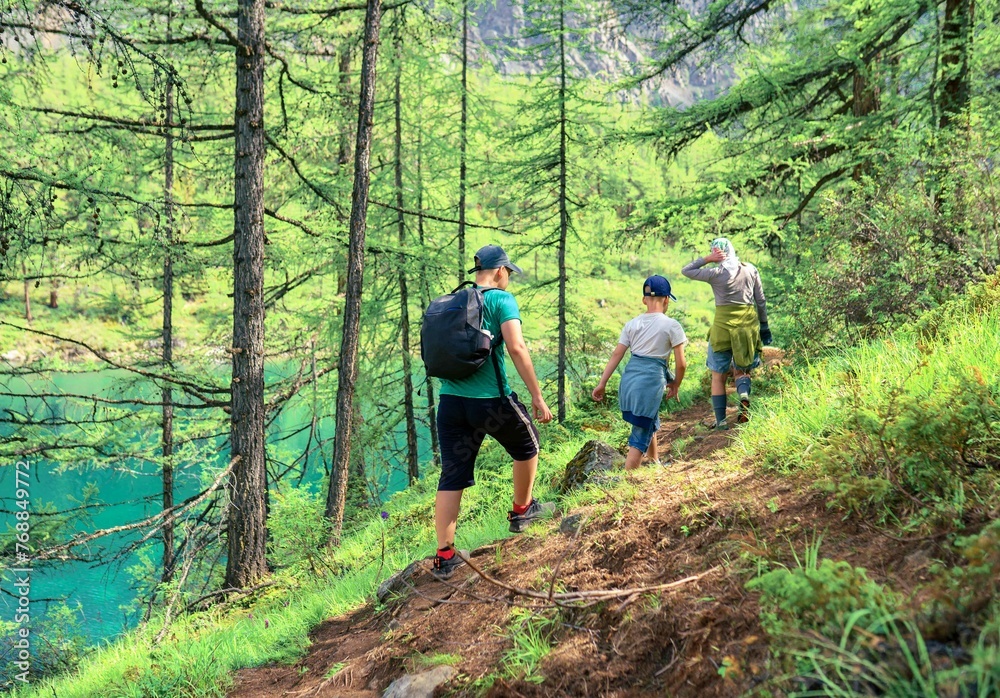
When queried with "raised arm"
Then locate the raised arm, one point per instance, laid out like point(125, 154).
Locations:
point(695, 270)
point(518, 350)
point(616, 358)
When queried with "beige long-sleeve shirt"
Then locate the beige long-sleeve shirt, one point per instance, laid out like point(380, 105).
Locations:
point(740, 288)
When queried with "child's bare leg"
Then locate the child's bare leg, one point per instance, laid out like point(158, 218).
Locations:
point(633, 458)
point(653, 453)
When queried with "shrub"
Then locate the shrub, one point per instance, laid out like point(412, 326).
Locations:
point(902, 241)
point(297, 528)
point(817, 595)
point(904, 427)
point(58, 644)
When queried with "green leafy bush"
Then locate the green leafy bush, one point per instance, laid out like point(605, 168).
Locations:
point(817, 597)
point(58, 644)
point(908, 237)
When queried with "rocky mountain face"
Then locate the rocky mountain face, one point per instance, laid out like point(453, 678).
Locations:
point(608, 51)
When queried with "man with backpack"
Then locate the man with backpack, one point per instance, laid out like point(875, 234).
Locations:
point(482, 404)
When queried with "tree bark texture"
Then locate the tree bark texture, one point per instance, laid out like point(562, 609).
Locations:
point(867, 100)
point(348, 362)
point(54, 289)
point(425, 301)
point(956, 41)
point(247, 533)
point(27, 293)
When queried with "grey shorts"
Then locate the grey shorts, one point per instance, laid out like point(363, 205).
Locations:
point(722, 361)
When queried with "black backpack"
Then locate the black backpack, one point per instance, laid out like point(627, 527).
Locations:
point(453, 343)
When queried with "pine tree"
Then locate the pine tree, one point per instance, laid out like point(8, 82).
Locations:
point(556, 132)
point(347, 372)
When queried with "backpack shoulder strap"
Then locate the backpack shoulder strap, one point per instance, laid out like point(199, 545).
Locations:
point(493, 354)
point(484, 291)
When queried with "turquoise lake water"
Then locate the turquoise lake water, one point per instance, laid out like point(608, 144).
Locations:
point(106, 593)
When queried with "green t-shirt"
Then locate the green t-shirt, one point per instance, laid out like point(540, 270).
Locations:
point(499, 307)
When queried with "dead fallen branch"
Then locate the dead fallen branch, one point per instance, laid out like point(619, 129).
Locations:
point(586, 597)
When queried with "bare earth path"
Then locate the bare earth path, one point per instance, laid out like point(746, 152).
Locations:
point(688, 517)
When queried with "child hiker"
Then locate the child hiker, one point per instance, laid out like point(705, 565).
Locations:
point(651, 337)
point(739, 330)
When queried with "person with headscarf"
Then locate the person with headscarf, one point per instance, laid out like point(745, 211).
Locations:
point(739, 330)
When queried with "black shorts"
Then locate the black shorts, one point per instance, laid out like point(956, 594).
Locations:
point(463, 423)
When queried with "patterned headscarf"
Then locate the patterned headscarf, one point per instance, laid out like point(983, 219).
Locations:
point(731, 262)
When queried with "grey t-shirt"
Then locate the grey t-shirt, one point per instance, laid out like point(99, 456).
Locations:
point(652, 334)
point(741, 288)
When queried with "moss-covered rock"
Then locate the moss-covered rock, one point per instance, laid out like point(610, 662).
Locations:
point(595, 457)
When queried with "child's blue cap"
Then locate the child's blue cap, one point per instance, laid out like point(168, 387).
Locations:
point(657, 286)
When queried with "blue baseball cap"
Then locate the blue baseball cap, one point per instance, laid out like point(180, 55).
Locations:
point(657, 286)
point(493, 257)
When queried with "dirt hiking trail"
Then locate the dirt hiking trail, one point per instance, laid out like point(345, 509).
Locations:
point(701, 638)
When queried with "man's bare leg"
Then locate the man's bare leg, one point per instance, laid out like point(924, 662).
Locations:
point(446, 506)
point(524, 480)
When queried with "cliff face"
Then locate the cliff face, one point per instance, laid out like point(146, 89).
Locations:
point(611, 53)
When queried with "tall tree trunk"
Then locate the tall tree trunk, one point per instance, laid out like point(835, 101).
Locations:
point(956, 46)
point(167, 424)
point(425, 296)
point(348, 362)
point(956, 40)
point(563, 214)
point(412, 465)
point(463, 141)
point(27, 293)
point(247, 529)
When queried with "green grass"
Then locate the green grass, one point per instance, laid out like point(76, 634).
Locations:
point(530, 634)
point(436, 659)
